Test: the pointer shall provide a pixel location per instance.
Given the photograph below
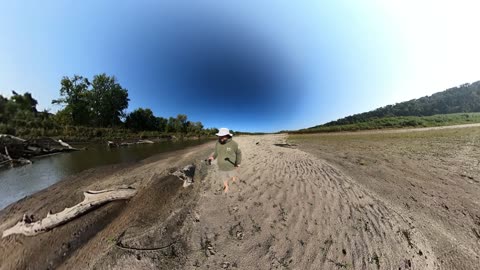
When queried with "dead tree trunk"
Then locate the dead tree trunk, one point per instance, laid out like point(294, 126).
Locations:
point(92, 199)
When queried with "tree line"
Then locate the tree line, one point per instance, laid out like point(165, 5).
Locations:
point(99, 104)
point(462, 99)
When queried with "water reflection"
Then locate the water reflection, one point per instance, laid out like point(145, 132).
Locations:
point(19, 182)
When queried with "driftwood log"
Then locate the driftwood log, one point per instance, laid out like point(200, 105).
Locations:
point(17, 151)
point(113, 144)
point(92, 200)
point(186, 174)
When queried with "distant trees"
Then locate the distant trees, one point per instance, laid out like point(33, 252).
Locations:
point(142, 119)
point(101, 103)
point(462, 99)
point(96, 107)
point(21, 111)
point(162, 124)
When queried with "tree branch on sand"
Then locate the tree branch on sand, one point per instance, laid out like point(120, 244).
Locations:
point(92, 199)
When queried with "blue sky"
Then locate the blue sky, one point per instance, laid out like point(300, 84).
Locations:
point(247, 65)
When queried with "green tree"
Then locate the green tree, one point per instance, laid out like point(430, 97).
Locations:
point(108, 100)
point(25, 102)
point(64, 117)
point(194, 127)
point(3, 109)
point(181, 123)
point(141, 119)
point(75, 95)
point(170, 125)
point(162, 124)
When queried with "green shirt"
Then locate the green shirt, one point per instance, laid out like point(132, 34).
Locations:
point(228, 155)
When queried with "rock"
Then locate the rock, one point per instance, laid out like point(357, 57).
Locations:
point(197, 217)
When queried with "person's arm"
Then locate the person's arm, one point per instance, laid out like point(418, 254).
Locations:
point(238, 158)
point(214, 154)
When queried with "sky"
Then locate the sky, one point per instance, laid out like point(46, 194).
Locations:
point(246, 65)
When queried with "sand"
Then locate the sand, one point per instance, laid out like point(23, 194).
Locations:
point(292, 210)
point(301, 206)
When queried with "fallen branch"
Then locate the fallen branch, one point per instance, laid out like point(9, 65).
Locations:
point(7, 154)
point(186, 175)
point(92, 199)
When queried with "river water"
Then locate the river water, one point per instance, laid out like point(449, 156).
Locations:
point(18, 182)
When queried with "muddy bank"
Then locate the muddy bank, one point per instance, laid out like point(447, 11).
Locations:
point(105, 234)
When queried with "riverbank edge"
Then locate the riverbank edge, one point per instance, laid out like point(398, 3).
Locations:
point(67, 192)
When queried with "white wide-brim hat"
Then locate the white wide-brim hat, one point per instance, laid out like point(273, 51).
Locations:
point(224, 132)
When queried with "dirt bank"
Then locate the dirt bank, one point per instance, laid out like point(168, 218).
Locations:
point(101, 238)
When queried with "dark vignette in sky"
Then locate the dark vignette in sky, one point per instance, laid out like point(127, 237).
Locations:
point(278, 64)
point(215, 69)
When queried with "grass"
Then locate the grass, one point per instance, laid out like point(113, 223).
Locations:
point(400, 122)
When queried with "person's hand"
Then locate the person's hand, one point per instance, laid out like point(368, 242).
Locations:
point(210, 158)
point(237, 166)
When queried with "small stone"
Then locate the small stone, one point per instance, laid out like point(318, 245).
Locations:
point(197, 217)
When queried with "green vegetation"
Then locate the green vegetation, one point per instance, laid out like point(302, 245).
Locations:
point(458, 105)
point(400, 122)
point(91, 111)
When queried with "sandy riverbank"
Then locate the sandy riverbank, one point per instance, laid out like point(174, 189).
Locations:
point(323, 204)
point(90, 241)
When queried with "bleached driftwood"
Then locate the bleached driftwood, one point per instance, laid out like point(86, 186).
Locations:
point(92, 199)
point(186, 174)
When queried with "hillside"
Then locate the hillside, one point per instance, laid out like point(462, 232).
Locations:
point(452, 106)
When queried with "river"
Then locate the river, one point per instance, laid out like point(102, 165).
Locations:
point(18, 182)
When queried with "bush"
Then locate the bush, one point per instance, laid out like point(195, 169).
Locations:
point(6, 129)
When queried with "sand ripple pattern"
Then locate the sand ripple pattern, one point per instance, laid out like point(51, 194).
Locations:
point(291, 210)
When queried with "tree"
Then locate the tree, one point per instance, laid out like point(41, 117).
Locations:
point(141, 119)
point(3, 109)
point(462, 99)
point(75, 96)
point(181, 123)
point(25, 102)
point(109, 101)
point(194, 127)
point(162, 124)
point(64, 117)
point(170, 125)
